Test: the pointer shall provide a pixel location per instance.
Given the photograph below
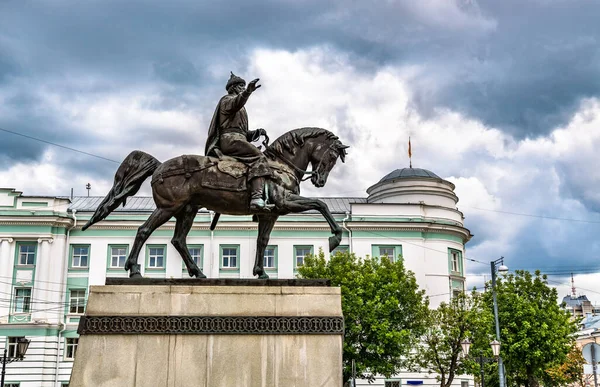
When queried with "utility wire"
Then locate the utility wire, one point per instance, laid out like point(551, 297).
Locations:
point(340, 193)
point(537, 216)
point(58, 145)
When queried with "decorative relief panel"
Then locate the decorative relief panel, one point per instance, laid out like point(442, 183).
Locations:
point(211, 325)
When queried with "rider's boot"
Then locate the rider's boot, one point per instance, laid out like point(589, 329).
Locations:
point(257, 202)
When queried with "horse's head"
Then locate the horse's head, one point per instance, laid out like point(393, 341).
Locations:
point(315, 146)
point(324, 157)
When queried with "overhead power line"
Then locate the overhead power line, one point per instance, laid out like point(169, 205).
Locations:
point(58, 145)
point(537, 216)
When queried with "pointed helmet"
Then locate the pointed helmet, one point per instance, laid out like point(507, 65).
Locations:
point(234, 80)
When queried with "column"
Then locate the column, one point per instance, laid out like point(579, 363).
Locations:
point(41, 287)
point(6, 263)
point(6, 268)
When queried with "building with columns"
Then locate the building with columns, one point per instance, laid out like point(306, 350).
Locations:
point(47, 262)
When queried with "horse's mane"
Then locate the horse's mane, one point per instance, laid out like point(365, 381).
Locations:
point(294, 139)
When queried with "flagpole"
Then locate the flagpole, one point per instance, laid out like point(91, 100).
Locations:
point(409, 153)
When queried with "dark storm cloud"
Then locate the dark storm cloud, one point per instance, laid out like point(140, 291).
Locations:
point(529, 75)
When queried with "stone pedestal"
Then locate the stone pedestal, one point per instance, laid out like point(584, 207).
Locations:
point(183, 334)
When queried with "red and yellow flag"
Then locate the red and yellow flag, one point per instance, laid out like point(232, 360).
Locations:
point(409, 148)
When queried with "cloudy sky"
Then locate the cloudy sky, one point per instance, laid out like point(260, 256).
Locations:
point(500, 97)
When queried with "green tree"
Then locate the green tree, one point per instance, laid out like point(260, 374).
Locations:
point(568, 372)
point(440, 350)
point(384, 310)
point(535, 332)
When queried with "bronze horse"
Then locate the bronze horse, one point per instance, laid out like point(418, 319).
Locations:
point(178, 190)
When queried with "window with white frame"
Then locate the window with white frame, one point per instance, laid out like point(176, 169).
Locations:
point(455, 260)
point(12, 384)
point(269, 261)
point(464, 383)
point(118, 255)
point(77, 301)
point(392, 383)
point(11, 350)
point(81, 255)
point(156, 257)
point(196, 254)
point(71, 347)
point(22, 300)
point(300, 253)
point(340, 249)
point(27, 254)
point(387, 251)
point(229, 257)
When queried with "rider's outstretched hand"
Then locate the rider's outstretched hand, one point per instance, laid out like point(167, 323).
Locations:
point(261, 132)
point(252, 86)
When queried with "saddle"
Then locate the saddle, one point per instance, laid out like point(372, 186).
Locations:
point(227, 174)
point(222, 173)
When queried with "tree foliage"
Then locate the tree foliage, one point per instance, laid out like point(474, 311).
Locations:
point(447, 326)
point(536, 334)
point(568, 372)
point(384, 310)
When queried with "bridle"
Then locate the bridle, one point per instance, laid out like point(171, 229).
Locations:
point(312, 173)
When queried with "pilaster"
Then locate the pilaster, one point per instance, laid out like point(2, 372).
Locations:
point(6, 267)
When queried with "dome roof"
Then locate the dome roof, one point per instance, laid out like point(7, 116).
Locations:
point(407, 173)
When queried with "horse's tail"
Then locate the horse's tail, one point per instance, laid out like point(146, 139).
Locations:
point(132, 172)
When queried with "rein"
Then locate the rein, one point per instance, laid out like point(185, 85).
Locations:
point(302, 171)
point(309, 173)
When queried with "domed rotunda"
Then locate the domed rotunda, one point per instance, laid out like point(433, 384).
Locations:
point(417, 210)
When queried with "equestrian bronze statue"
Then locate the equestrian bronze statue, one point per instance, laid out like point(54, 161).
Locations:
point(231, 179)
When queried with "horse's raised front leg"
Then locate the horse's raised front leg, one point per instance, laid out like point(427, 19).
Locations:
point(185, 220)
point(297, 203)
point(155, 220)
point(265, 225)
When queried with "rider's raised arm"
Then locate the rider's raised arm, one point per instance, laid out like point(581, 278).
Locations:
point(230, 104)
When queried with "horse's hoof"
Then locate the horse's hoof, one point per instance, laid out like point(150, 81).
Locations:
point(260, 272)
point(334, 241)
point(134, 271)
point(199, 274)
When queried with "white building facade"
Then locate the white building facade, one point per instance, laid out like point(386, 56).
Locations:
point(47, 263)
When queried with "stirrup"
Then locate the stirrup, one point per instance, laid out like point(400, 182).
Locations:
point(260, 205)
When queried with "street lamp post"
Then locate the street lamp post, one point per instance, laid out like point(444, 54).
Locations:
point(466, 345)
point(498, 267)
point(22, 345)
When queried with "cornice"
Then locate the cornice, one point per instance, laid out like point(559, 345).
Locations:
point(319, 226)
point(31, 221)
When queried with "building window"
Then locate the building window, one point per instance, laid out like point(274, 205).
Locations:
point(27, 254)
point(300, 252)
point(196, 254)
point(71, 347)
point(392, 252)
point(11, 384)
point(270, 261)
point(11, 351)
point(341, 249)
point(118, 256)
point(387, 251)
point(22, 300)
point(156, 257)
point(464, 383)
point(392, 383)
point(229, 257)
point(80, 256)
point(455, 257)
point(77, 301)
